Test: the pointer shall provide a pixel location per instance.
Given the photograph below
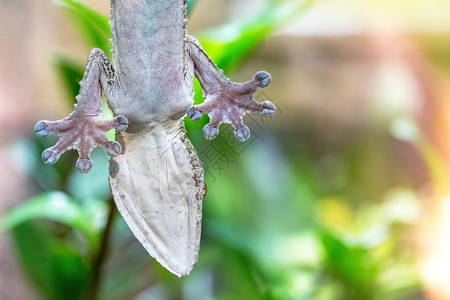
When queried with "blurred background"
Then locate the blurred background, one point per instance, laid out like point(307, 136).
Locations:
point(342, 194)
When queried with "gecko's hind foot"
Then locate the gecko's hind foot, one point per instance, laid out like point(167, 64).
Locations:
point(226, 101)
point(229, 104)
point(83, 133)
point(85, 129)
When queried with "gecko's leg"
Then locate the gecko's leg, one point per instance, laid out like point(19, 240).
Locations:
point(226, 101)
point(85, 128)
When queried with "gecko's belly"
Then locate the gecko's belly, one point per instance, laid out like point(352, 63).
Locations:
point(158, 187)
point(146, 103)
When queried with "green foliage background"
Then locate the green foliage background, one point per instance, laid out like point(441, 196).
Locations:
point(272, 228)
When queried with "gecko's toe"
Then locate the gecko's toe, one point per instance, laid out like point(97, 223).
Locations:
point(263, 78)
point(84, 165)
point(42, 129)
point(210, 132)
point(242, 134)
point(121, 123)
point(194, 114)
point(268, 108)
point(114, 149)
point(50, 156)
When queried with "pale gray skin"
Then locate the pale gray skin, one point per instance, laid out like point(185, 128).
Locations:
point(157, 182)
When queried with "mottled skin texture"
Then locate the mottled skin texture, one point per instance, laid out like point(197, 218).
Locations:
point(157, 182)
point(149, 58)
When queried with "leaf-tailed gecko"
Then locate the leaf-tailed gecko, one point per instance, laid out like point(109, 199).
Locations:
point(155, 176)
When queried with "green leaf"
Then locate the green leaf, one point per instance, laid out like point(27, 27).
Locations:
point(71, 73)
point(95, 26)
point(227, 45)
point(59, 207)
point(190, 6)
point(240, 272)
point(351, 265)
point(56, 269)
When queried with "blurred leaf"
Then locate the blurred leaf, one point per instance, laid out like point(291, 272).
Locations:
point(274, 185)
point(54, 206)
point(57, 270)
point(336, 214)
point(70, 73)
point(94, 26)
point(351, 265)
point(436, 49)
point(227, 45)
point(399, 281)
point(190, 6)
point(242, 273)
point(407, 129)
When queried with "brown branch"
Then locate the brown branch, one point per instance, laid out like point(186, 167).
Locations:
point(98, 263)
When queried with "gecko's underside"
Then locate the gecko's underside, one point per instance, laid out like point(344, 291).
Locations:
point(155, 174)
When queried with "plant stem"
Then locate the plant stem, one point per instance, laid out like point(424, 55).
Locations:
point(98, 263)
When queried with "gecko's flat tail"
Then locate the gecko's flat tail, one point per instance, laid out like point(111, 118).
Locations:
point(180, 270)
point(157, 185)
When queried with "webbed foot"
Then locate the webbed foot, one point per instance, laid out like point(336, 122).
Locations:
point(226, 101)
point(85, 128)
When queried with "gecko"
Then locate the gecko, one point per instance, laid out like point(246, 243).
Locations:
point(156, 177)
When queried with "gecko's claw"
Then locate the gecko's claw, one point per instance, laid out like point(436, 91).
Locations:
point(42, 129)
point(50, 156)
point(210, 132)
point(84, 165)
point(194, 114)
point(242, 134)
point(114, 149)
point(262, 78)
point(268, 108)
point(121, 123)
